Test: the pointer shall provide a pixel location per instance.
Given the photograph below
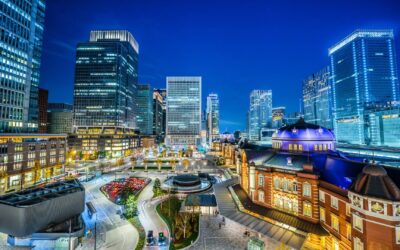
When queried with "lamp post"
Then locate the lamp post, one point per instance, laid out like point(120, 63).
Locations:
point(92, 210)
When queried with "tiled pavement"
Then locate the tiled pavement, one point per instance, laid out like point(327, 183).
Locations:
point(230, 236)
point(227, 208)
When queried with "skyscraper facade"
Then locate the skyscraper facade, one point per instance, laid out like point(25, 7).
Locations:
point(317, 106)
point(159, 100)
point(183, 111)
point(21, 36)
point(106, 80)
point(278, 116)
point(212, 112)
point(43, 101)
point(144, 117)
point(59, 117)
point(260, 114)
point(364, 74)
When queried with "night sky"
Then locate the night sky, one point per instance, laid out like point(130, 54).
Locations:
point(236, 46)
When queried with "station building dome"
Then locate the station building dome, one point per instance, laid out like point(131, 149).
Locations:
point(303, 137)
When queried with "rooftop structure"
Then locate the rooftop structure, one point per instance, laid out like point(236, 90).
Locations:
point(34, 209)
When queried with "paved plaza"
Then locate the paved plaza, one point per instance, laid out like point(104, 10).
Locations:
point(230, 236)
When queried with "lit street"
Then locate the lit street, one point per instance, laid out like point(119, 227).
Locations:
point(113, 231)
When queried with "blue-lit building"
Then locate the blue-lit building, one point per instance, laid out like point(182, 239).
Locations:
point(260, 113)
point(278, 116)
point(183, 123)
point(21, 36)
point(317, 106)
point(364, 74)
point(106, 80)
point(212, 118)
point(144, 116)
point(105, 96)
point(383, 125)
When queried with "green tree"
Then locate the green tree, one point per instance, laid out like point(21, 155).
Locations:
point(157, 187)
point(130, 207)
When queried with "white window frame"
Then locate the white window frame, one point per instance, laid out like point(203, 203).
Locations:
point(260, 180)
point(306, 191)
point(361, 220)
point(397, 234)
point(357, 242)
point(261, 196)
point(334, 202)
point(321, 195)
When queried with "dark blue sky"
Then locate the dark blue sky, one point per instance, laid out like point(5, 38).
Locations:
point(236, 46)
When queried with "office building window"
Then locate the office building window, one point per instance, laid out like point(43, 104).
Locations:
point(397, 234)
point(322, 196)
point(358, 245)
point(334, 202)
point(260, 181)
point(335, 222)
point(306, 189)
point(322, 214)
point(307, 209)
point(261, 196)
point(348, 231)
point(357, 222)
point(335, 244)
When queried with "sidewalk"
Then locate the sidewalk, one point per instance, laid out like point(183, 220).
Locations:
point(230, 236)
point(228, 208)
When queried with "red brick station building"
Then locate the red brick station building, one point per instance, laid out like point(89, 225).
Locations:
point(304, 184)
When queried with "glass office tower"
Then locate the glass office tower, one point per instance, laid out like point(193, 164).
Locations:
point(260, 114)
point(183, 111)
point(212, 112)
point(21, 36)
point(106, 80)
point(278, 116)
point(159, 102)
point(364, 73)
point(317, 106)
point(144, 117)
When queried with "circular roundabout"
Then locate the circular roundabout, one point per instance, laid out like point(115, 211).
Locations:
point(186, 183)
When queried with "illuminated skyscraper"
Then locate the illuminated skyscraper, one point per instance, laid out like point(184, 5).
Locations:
point(317, 104)
point(212, 112)
point(159, 102)
point(183, 111)
point(260, 115)
point(364, 73)
point(106, 80)
point(278, 116)
point(144, 117)
point(21, 36)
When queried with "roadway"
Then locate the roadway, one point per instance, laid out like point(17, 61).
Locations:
point(113, 231)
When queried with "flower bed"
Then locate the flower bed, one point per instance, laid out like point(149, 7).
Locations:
point(119, 190)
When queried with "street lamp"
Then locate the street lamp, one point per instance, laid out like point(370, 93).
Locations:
point(91, 210)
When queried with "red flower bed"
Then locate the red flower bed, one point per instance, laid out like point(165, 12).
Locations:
point(124, 187)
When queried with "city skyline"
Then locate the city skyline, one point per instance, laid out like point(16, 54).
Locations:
point(262, 66)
